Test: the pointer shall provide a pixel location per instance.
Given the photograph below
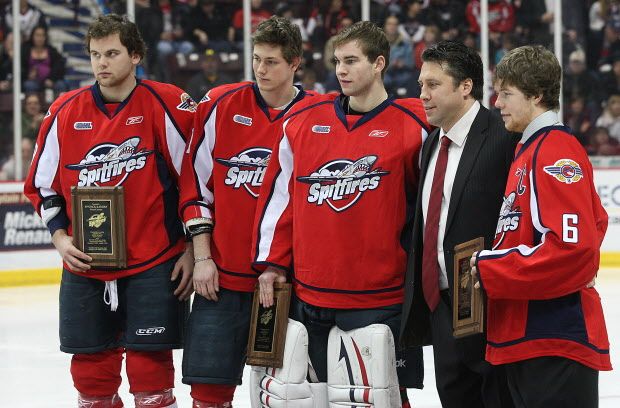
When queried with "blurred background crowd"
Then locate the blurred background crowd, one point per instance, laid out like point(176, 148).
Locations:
point(197, 44)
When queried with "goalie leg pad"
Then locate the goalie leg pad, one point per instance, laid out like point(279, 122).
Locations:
point(362, 368)
point(286, 386)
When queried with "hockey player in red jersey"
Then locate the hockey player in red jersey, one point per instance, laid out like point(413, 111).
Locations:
point(127, 132)
point(235, 129)
point(545, 319)
point(331, 217)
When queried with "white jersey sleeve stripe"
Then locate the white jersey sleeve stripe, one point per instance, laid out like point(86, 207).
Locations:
point(203, 162)
point(176, 144)
point(279, 200)
point(47, 166)
point(534, 209)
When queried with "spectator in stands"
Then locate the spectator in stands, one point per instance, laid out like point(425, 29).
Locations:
point(578, 81)
point(611, 79)
point(501, 16)
point(611, 40)
point(533, 21)
point(507, 44)
point(601, 144)
point(30, 17)
point(597, 17)
point(610, 119)
point(578, 117)
point(399, 73)
point(171, 39)
point(431, 37)
point(7, 172)
point(283, 9)
point(413, 23)
point(150, 24)
point(32, 116)
point(207, 27)
point(6, 63)
point(209, 77)
point(42, 65)
point(257, 15)
point(325, 20)
point(448, 16)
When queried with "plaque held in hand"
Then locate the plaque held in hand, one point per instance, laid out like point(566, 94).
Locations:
point(467, 301)
point(98, 222)
point(268, 328)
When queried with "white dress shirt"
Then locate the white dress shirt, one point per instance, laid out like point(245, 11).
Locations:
point(458, 136)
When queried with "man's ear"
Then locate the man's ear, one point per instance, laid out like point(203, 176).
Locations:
point(379, 63)
point(467, 86)
point(296, 63)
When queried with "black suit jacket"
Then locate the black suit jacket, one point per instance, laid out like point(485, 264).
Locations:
point(475, 202)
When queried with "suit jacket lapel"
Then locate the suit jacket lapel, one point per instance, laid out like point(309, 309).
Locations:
point(475, 140)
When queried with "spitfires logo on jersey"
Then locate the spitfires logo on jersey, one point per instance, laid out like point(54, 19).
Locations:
point(340, 183)
point(187, 103)
point(509, 217)
point(109, 164)
point(247, 169)
point(565, 170)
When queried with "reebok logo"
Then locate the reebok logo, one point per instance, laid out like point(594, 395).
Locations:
point(378, 133)
point(134, 120)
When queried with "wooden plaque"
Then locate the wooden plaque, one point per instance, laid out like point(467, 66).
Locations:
point(467, 302)
point(268, 328)
point(98, 221)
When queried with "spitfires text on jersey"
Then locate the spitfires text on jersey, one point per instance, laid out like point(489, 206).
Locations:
point(110, 164)
point(247, 169)
point(341, 182)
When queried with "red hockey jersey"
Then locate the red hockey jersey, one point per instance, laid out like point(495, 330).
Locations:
point(138, 144)
point(334, 203)
point(546, 251)
point(223, 170)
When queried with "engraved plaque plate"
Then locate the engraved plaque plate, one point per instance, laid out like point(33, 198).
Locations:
point(467, 302)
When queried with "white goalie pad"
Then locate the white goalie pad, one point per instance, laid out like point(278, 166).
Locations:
point(361, 368)
point(287, 387)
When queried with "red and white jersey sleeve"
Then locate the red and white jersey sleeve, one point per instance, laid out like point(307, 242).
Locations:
point(333, 205)
point(546, 251)
point(137, 144)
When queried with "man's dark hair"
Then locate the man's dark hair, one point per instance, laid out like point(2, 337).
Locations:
point(281, 32)
point(127, 31)
point(370, 38)
point(458, 61)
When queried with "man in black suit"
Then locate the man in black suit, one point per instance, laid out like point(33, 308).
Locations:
point(464, 166)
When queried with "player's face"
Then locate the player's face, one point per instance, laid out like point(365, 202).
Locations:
point(271, 70)
point(111, 63)
point(517, 109)
point(443, 102)
point(355, 72)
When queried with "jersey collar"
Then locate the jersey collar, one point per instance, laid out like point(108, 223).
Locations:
point(100, 103)
point(265, 108)
point(364, 118)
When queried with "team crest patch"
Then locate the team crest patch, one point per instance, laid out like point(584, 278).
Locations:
point(321, 129)
point(109, 164)
point(134, 120)
point(565, 170)
point(187, 103)
point(83, 125)
point(341, 183)
point(378, 133)
point(247, 169)
point(242, 120)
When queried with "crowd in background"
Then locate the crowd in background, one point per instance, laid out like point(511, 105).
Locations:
point(198, 44)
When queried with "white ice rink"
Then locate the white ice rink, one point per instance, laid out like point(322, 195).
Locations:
point(35, 374)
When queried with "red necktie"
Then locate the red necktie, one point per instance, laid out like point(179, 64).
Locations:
point(430, 264)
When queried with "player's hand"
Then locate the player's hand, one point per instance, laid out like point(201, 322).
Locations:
point(206, 279)
point(75, 259)
point(266, 281)
point(474, 270)
point(185, 267)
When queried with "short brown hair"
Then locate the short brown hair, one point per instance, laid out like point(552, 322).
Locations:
point(370, 38)
point(127, 31)
point(535, 71)
point(279, 31)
